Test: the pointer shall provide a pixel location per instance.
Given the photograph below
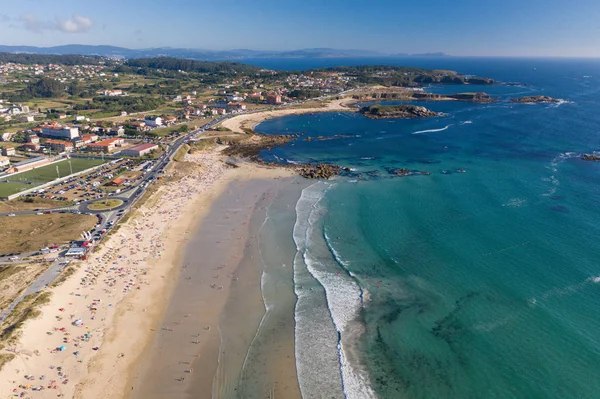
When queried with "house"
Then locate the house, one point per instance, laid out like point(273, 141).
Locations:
point(6, 136)
point(234, 97)
point(221, 104)
point(169, 120)
point(139, 126)
point(26, 118)
point(123, 113)
point(139, 150)
point(8, 151)
point(116, 131)
point(55, 130)
point(153, 121)
point(89, 138)
point(78, 142)
point(31, 147)
point(219, 111)
point(236, 106)
point(79, 118)
point(4, 162)
point(273, 99)
point(32, 138)
point(106, 146)
point(17, 109)
point(113, 93)
point(62, 116)
point(59, 145)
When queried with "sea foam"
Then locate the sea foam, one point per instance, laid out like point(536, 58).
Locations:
point(343, 295)
point(432, 130)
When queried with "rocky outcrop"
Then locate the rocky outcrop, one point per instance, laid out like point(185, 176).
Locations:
point(397, 111)
point(534, 100)
point(320, 171)
point(478, 97)
point(590, 157)
point(251, 146)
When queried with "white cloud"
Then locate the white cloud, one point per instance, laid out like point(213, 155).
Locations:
point(75, 24)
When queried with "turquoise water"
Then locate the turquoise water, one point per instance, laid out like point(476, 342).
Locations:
point(482, 284)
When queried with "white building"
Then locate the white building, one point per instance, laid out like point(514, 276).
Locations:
point(153, 121)
point(4, 162)
point(58, 131)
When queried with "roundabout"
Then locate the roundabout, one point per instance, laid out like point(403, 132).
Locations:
point(105, 205)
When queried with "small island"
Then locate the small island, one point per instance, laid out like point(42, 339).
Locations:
point(378, 111)
point(590, 157)
point(534, 100)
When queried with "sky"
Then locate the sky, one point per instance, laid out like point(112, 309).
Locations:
point(457, 27)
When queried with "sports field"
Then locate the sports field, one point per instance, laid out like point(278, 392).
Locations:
point(23, 181)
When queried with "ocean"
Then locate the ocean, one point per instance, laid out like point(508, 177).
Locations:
point(479, 280)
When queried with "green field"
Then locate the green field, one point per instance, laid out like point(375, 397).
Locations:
point(44, 174)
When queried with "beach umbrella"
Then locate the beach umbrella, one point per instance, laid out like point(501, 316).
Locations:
point(62, 348)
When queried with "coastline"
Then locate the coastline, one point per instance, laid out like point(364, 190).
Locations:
point(245, 122)
point(121, 291)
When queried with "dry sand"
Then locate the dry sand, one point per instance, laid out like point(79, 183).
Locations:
point(249, 121)
point(119, 293)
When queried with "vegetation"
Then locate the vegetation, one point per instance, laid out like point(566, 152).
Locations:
point(25, 310)
point(15, 278)
point(23, 58)
point(117, 104)
point(177, 64)
point(388, 75)
point(180, 154)
point(66, 273)
point(396, 111)
point(5, 358)
point(29, 233)
point(105, 204)
point(43, 88)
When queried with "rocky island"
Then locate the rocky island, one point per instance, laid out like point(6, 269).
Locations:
point(590, 157)
point(378, 111)
point(534, 100)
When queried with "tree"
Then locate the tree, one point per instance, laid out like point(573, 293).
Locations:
point(183, 129)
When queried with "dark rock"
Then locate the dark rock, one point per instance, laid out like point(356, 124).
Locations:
point(319, 171)
point(534, 100)
point(590, 157)
point(397, 111)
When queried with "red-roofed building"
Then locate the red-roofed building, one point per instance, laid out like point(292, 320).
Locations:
point(30, 147)
point(106, 146)
point(59, 145)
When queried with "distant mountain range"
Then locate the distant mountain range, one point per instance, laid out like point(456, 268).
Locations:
point(197, 54)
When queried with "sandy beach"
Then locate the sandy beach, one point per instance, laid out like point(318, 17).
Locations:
point(249, 121)
point(90, 339)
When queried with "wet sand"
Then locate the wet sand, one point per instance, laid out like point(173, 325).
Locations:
point(215, 339)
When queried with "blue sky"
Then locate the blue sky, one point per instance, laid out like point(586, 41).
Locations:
point(458, 27)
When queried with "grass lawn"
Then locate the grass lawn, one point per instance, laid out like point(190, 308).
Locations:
point(105, 204)
point(12, 184)
point(29, 233)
